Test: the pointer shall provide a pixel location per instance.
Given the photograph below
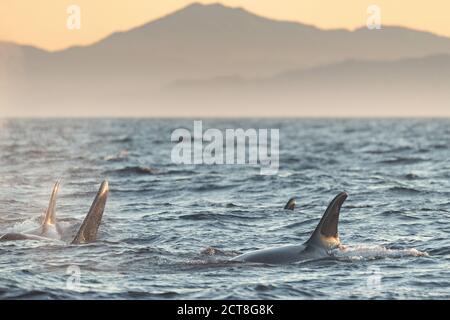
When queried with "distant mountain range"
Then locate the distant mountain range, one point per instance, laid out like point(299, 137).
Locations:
point(204, 58)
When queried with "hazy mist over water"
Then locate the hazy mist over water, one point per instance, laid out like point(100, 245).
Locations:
point(219, 61)
point(169, 230)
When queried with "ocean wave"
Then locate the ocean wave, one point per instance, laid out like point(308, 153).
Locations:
point(404, 190)
point(398, 214)
point(122, 155)
point(135, 170)
point(440, 146)
point(402, 160)
point(231, 205)
point(209, 187)
point(296, 225)
point(180, 172)
point(388, 150)
point(217, 216)
point(123, 139)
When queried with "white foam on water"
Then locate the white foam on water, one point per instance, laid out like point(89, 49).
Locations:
point(33, 226)
point(369, 252)
point(26, 225)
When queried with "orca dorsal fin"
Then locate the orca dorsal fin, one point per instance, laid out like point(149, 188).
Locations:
point(326, 233)
point(50, 214)
point(88, 230)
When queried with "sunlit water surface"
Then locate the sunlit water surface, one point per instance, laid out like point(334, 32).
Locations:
point(169, 230)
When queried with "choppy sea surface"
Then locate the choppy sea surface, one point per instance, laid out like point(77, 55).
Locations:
point(169, 230)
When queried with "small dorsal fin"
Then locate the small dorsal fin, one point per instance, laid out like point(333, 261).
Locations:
point(88, 230)
point(326, 233)
point(50, 214)
point(290, 205)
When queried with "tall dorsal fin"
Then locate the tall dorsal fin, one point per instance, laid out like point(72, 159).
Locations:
point(88, 230)
point(50, 214)
point(326, 233)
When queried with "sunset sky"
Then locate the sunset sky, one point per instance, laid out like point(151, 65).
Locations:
point(43, 23)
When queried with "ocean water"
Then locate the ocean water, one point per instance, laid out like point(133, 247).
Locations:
point(169, 230)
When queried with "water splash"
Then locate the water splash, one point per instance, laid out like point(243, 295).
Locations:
point(371, 252)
